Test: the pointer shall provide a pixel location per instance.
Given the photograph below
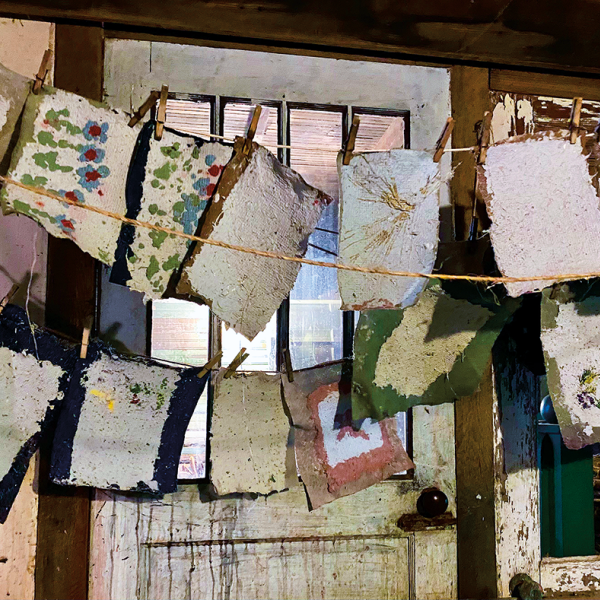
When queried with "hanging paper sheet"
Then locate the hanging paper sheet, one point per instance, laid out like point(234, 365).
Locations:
point(34, 376)
point(249, 434)
point(177, 177)
point(389, 218)
point(430, 353)
point(259, 204)
point(543, 207)
point(123, 423)
point(14, 89)
point(338, 461)
point(78, 149)
point(570, 334)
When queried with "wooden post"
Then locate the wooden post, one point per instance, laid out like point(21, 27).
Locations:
point(61, 568)
point(470, 98)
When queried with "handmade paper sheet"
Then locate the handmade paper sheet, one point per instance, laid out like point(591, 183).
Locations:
point(337, 461)
point(429, 353)
point(570, 338)
point(124, 423)
point(14, 89)
point(250, 429)
point(178, 176)
point(263, 205)
point(34, 375)
point(543, 207)
point(389, 218)
point(77, 149)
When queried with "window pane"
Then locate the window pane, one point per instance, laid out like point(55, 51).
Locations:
point(315, 316)
point(189, 116)
point(237, 117)
point(180, 334)
point(379, 132)
point(262, 349)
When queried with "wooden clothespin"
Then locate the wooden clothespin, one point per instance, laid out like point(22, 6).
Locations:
point(236, 362)
point(161, 115)
point(210, 364)
point(484, 139)
point(351, 141)
point(575, 118)
point(140, 113)
point(288, 365)
point(8, 297)
point(85, 338)
point(42, 73)
point(443, 140)
point(252, 129)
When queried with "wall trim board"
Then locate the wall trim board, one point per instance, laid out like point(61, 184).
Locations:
point(62, 559)
point(544, 84)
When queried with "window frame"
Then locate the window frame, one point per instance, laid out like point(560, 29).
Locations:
point(217, 122)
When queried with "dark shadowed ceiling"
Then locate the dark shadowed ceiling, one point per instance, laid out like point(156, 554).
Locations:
point(558, 34)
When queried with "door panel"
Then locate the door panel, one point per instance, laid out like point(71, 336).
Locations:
point(362, 567)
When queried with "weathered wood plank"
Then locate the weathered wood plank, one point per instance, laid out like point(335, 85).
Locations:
point(475, 492)
point(578, 575)
point(544, 84)
point(64, 513)
point(470, 98)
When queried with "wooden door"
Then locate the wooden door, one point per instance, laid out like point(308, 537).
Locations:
point(189, 545)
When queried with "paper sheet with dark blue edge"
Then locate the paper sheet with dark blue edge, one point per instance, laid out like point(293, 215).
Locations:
point(170, 184)
point(124, 423)
point(34, 378)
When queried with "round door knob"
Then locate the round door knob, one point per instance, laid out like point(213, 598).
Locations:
point(432, 502)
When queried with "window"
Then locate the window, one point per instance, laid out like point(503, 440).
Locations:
point(311, 320)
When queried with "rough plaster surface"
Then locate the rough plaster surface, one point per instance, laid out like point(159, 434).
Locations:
point(27, 386)
point(335, 462)
point(260, 204)
point(389, 218)
point(180, 178)
point(77, 149)
point(543, 207)
point(570, 336)
point(249, 433)
point(411, 359)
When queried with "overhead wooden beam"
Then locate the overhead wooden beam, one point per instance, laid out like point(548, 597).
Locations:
point(519, 32)
point(543, 84)
point(64, 513)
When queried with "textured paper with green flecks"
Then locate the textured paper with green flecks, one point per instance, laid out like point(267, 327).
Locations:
point(14, 89)
point(430, 353)
point(77, 149)
point(180, 179)
point(570, 339)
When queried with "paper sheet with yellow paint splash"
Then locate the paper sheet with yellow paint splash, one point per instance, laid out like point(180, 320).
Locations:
point(249, 429)
point(124, 423)
point(390, 219)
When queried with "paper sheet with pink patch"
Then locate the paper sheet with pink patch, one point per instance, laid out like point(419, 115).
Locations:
point(336, 461)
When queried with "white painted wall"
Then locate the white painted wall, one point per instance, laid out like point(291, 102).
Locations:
point(22, 45)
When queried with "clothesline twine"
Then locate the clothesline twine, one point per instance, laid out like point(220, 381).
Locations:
point(305, 261)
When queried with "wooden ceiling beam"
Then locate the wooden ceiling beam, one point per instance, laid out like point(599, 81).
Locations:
point(517, 32)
